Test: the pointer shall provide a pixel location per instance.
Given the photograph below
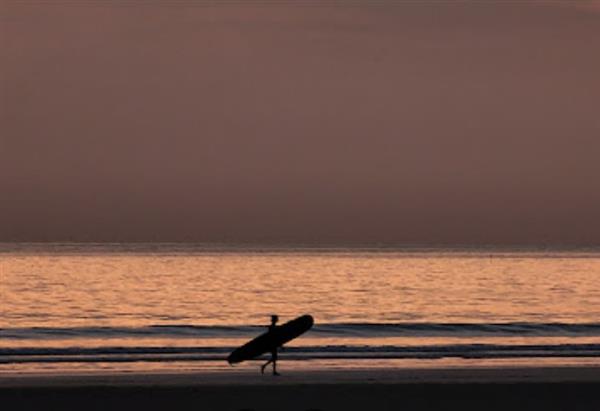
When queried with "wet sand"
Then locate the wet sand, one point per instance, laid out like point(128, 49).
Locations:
point(518, 388)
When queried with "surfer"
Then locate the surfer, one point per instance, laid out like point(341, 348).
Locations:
point(270, 341)
point(273, 359)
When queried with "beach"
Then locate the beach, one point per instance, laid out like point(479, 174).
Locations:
point(500, 388)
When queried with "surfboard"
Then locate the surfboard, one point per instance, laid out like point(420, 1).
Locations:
point(271, 339)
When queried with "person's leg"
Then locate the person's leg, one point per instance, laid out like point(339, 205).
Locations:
point(274, 360)
point(262, 367)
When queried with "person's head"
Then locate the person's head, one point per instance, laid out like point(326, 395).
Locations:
point(274, 319)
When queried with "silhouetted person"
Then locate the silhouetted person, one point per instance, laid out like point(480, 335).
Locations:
point(273, 358)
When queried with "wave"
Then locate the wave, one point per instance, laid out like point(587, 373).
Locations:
point(459, 329)
point(165, 354)
point(333, 330)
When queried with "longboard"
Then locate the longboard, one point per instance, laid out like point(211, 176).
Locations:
point(271, 339)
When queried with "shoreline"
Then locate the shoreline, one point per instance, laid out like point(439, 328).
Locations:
point(251, 377)
point(514, 388)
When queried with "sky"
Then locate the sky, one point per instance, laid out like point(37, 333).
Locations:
point(437, 122)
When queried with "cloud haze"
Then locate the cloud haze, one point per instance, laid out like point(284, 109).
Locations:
point(400, 122)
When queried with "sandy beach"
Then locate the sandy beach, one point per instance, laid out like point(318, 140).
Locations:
point(515, 388)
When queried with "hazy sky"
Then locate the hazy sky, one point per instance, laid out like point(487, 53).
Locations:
point(430, 122)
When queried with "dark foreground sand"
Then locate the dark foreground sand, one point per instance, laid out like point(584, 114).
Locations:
point(559, 388)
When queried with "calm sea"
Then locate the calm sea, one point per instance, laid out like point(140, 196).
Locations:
point(72, 305)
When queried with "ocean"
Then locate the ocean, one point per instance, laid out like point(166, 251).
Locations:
point(66, 307)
